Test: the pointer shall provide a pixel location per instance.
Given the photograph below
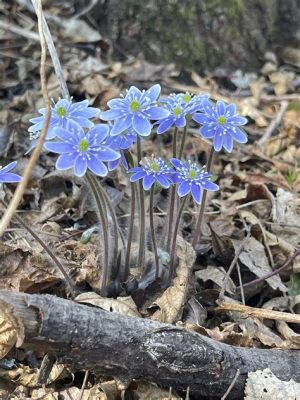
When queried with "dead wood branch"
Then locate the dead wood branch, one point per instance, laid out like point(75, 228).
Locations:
point(134, 348)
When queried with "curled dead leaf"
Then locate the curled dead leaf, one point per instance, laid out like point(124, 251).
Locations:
point(121, 305)
point(11, 329)
point(171, 302)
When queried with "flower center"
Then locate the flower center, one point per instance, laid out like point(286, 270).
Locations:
point(192, 174)
point(186, 97)
point(61, 112)
point(222, 120)
point(177, 111)
point(83, 145)
point(154, 167)
point(135, 106)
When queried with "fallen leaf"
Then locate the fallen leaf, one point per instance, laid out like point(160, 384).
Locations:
point(121, 305)
point(11, 329)
point(216, 275)
point(171, 302)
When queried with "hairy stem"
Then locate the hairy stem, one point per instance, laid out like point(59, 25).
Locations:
point(106, 200)
point(141, 255)
point(61, 268)
point(197, 232)
point(183, 139)
point(103, 218)
point(152, 229)
point(130, 230)
point(175, 233)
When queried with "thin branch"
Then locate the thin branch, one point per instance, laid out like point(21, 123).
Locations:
point(53, 53)
point(37, 151)
point(259, 312)
point(234, 261)
point(288, 261)
point(237, 374)
point(274, 124)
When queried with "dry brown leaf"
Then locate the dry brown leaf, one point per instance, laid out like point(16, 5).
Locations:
point(11, 329)
point(22, 270)
point(149, 391)
point(121, 305)
point(171, 302)
point(253, 256)
point(216, 275)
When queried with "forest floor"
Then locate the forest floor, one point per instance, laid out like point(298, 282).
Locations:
point(252, 225)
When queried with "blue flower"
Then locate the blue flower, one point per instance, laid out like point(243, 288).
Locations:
point(152, 170)
point(180, 106)
point(112, 165)
point(123, 141)
point(8, 177)
point(135, 111)
point(221, 123)
point(192, 179)
point(82, 151)
point(63, 111)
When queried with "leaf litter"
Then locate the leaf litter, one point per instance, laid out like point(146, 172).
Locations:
point(260, 191)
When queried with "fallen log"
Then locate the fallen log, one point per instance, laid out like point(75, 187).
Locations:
point(130, 348)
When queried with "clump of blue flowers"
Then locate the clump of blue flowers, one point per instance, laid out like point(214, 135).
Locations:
point(92, 150)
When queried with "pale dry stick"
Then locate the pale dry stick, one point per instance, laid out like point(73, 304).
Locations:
point(258, 312)
point(237, 374)
point(240, 282)
point(36, 152)
point(19, 31)
point(197, 231)
point(53, 53)
point(234, 261)
point(275, 272)
point(274, 124)
point(83, 384)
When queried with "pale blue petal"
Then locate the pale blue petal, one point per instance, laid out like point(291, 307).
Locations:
point(180, 122)
point(80, 165)
point(221, 108)
point(202, 118)
point(59, 147)
point(152, 93)
point(139, 175)
point(177, 163)
point(75, 131)
point(238, 135)
point(237, 120)
point(208, 107)
point(157, 113)
point(117, 103)
point(112, 114)
point(107, 154)
point(218, 139)
point(184, 188)
point(121, 125)
point(208, 131)
point(133, 93)
point(66, 161)
point(163, 181)
point(83, 122)
point(228, 143)
point(148, 182)
point(8, 167)
point(141, 125)
point(9, 177)
point(97, 134)
point(230, 110)
point(96, 166)
point(196, 193)
point(208, 185)
point(165, 125)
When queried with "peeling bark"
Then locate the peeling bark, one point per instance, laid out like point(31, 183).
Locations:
point(134, 348)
